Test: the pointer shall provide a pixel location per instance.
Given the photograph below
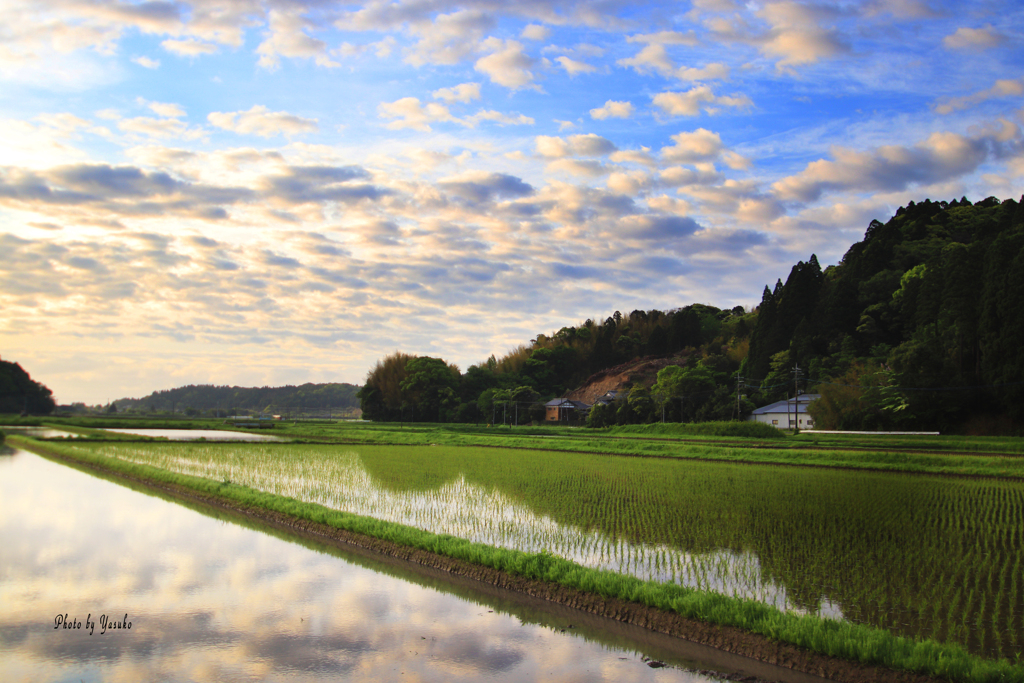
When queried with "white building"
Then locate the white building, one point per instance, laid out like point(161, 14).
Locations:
point(782, 414)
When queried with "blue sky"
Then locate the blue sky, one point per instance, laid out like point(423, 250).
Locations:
point(261, 193)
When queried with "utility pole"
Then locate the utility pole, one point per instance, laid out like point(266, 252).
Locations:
point(740, 382)
point(797, 376)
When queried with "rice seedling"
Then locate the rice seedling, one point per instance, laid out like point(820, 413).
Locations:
point(918, 555)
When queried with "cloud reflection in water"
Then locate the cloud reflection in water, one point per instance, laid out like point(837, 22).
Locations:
point(211, 600)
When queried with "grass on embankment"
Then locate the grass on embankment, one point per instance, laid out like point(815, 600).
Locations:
point(835, 638)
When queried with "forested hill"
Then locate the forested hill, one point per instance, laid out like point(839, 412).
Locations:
point(928, 310)
point(919, 326)
point(230, 400)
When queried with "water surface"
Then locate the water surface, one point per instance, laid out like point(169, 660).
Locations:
point(209, 599)
point(196, 434)
point(39, 432)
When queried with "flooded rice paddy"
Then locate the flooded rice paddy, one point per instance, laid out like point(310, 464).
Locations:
point(38, 432)
point(201, 597)
point(922, 556)
point(196, 434)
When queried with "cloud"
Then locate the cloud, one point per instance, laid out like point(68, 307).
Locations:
point(449, 38)
point(409, 112)
point(797, 34)
point(147, 62)
point(82, 192)
point(573, 67)
point(578, 167)
point(891, 168)
point(535, 32)
point(482, 186)
point(630, 183)
point(665, 38)
point(974, 39)
point(497, 117)
point(699, 145)
point(640, 156)
point(319, 184)
point(691, 102)
point(1001, 88)
point(708, 72)
point(612, 110)
point(260, 121)
point(165, 109)
point(287, 37)
point(680, 176)
point(658, 228)
point(507, 64)
point(653, 57)
point(188, 47)
point(574, 145)
point(158, 128)
point(464, 92)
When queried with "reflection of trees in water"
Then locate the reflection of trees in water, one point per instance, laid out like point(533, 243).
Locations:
point(923, 556)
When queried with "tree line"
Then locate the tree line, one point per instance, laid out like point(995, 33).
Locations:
point(225, 400)
point(918, 326)
point(20, 393)
point(708, 344)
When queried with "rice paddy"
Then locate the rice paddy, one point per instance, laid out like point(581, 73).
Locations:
point(921, 556)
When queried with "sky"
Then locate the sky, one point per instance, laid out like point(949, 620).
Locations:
point(270, 192)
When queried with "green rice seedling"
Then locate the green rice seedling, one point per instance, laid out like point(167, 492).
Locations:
point(793, 537)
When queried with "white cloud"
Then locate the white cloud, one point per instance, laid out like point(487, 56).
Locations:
point(535, 32)
point(409, 112)
point(942, 156)
point(449, 38)
point(653, 57)
point(708, 72)
point(287, 37)
point(158, 128)
point(796, 34)
point(698, 145)
point(260, 121)
point(691, 102)
point(612, 110)
point(497, 117)
point(165, 109)
point(464, 92)
point(574, 145)
point(1002, 88)
point(147, 62)
point(188, 47)
point(974, 39)
point(640, 156)
point(665, 38)
point(573, 67)
point(507, 64)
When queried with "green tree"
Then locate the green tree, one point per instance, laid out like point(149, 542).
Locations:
point(430, 385)
point(18, 392)
point(601, 415)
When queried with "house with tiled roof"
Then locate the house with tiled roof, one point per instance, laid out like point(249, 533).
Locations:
point(565, 410)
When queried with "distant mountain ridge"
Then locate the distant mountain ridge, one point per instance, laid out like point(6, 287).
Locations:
point(309, 397)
